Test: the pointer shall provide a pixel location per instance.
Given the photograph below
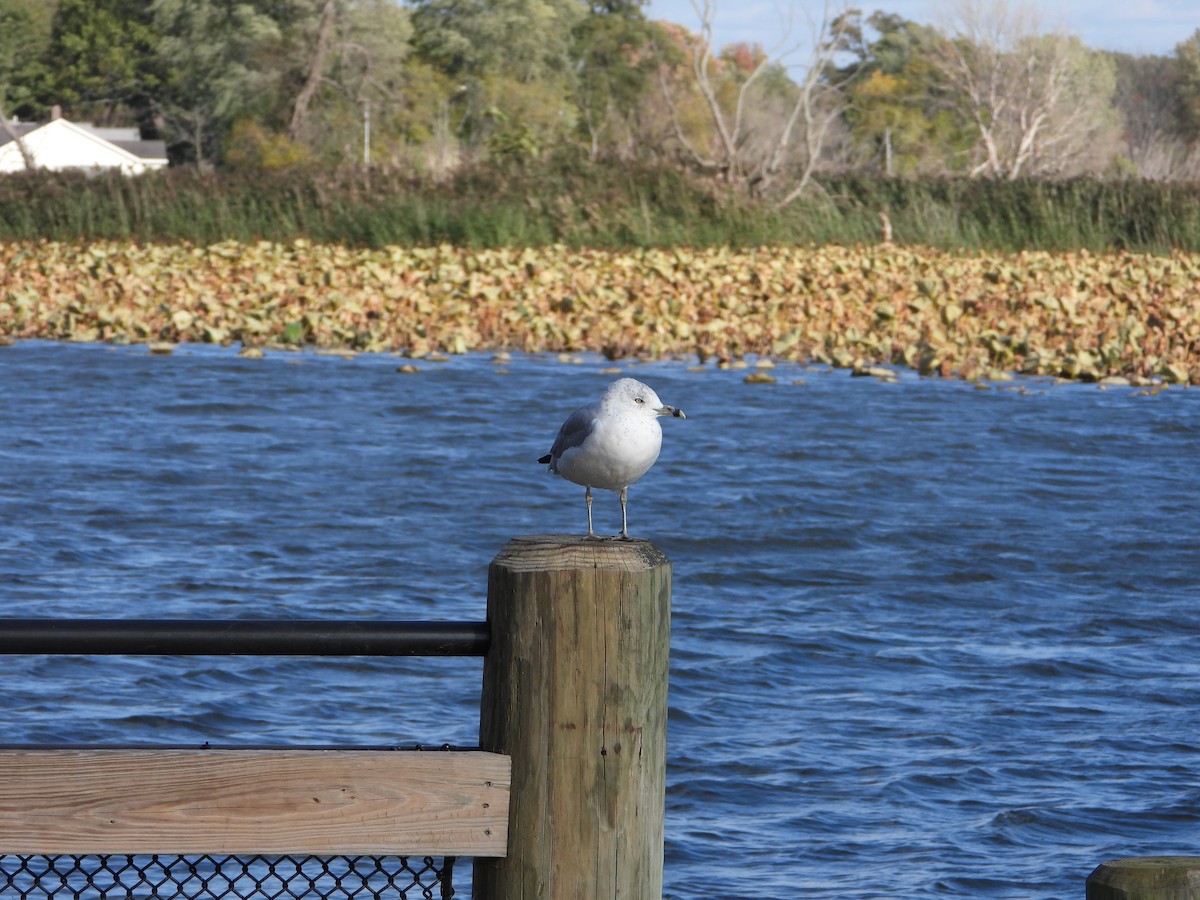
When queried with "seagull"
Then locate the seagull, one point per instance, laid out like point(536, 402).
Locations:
point(611, 443)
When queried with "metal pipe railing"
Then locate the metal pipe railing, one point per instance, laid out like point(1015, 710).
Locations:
point(241, 637)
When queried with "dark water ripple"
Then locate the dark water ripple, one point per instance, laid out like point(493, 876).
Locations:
point(928, 640)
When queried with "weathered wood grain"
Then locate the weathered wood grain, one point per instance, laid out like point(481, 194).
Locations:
point(575, 690)
point(325, 802)
point(1146, 878)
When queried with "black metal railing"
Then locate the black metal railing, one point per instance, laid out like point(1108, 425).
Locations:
point(241, 637)
point(207, 877)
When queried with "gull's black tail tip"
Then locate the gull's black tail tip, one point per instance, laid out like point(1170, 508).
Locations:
point(545, 459)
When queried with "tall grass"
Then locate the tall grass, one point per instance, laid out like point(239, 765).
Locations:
point(1052, 215)
point(563, 201)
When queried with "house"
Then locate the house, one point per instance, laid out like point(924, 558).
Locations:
point(59, 144)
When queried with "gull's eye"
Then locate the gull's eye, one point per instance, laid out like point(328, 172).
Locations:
point(638, 400)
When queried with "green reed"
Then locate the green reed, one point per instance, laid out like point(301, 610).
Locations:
point(563, 200)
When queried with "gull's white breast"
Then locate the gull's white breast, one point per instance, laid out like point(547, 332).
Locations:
point(619, 451)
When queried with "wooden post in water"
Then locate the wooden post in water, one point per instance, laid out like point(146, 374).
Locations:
point(1146, 878)
point(575, 691)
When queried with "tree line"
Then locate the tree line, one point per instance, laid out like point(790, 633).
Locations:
point(433, 87)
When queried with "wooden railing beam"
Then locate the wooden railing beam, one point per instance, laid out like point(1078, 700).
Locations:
point(320, 802)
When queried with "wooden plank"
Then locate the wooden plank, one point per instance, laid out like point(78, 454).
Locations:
point(323, 802)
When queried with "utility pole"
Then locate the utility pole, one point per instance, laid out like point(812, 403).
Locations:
point(366, 134)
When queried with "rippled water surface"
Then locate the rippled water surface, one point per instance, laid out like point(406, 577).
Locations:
point(928, 640)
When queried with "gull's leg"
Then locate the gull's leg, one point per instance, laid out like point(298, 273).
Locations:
point(588, 497)
point(624, 519)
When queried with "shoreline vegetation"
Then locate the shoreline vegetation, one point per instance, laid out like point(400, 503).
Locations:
point(1116, 317)
point(564, 201)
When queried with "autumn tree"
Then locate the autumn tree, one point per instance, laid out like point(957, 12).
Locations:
point(1187, 87)
point(766, 132)
point(510, 64)
point(315, 69)
point(1159, 100)
point(1155, 143)
point(25, 29)
point(320, 68)
point(894, 113)
point(99, 63)
point(355, 66)
point(218, 74)
point(1039, 103)
point(614, 61)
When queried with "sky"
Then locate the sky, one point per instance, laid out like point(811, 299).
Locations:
point(1141, 27)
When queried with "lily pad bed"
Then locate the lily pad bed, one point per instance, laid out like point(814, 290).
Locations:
point(1119, 316)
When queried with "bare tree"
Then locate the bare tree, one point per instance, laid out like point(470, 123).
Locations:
point(316, 66)
point(352, 78)
point(768, 141)
point(1148, 99)
point(1040, 104)
point(15, 136)
point(1162, 156)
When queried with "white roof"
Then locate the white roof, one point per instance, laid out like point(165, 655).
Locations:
point(60, 144)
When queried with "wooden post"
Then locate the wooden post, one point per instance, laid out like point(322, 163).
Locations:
point(575, 691)
point(1146, 878)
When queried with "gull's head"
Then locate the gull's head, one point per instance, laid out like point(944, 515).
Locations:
point(631, 394)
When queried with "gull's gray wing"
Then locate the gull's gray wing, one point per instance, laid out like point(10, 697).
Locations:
point(574, 432)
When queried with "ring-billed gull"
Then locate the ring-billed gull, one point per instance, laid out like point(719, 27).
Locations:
point(611, 443)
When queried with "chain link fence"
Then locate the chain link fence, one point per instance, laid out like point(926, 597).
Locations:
point(207, 877)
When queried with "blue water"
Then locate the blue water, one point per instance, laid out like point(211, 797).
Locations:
point(928, 640)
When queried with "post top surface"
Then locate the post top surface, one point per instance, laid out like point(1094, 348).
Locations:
point(1155, 862)
point(544, 552)
point(1147, 876)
